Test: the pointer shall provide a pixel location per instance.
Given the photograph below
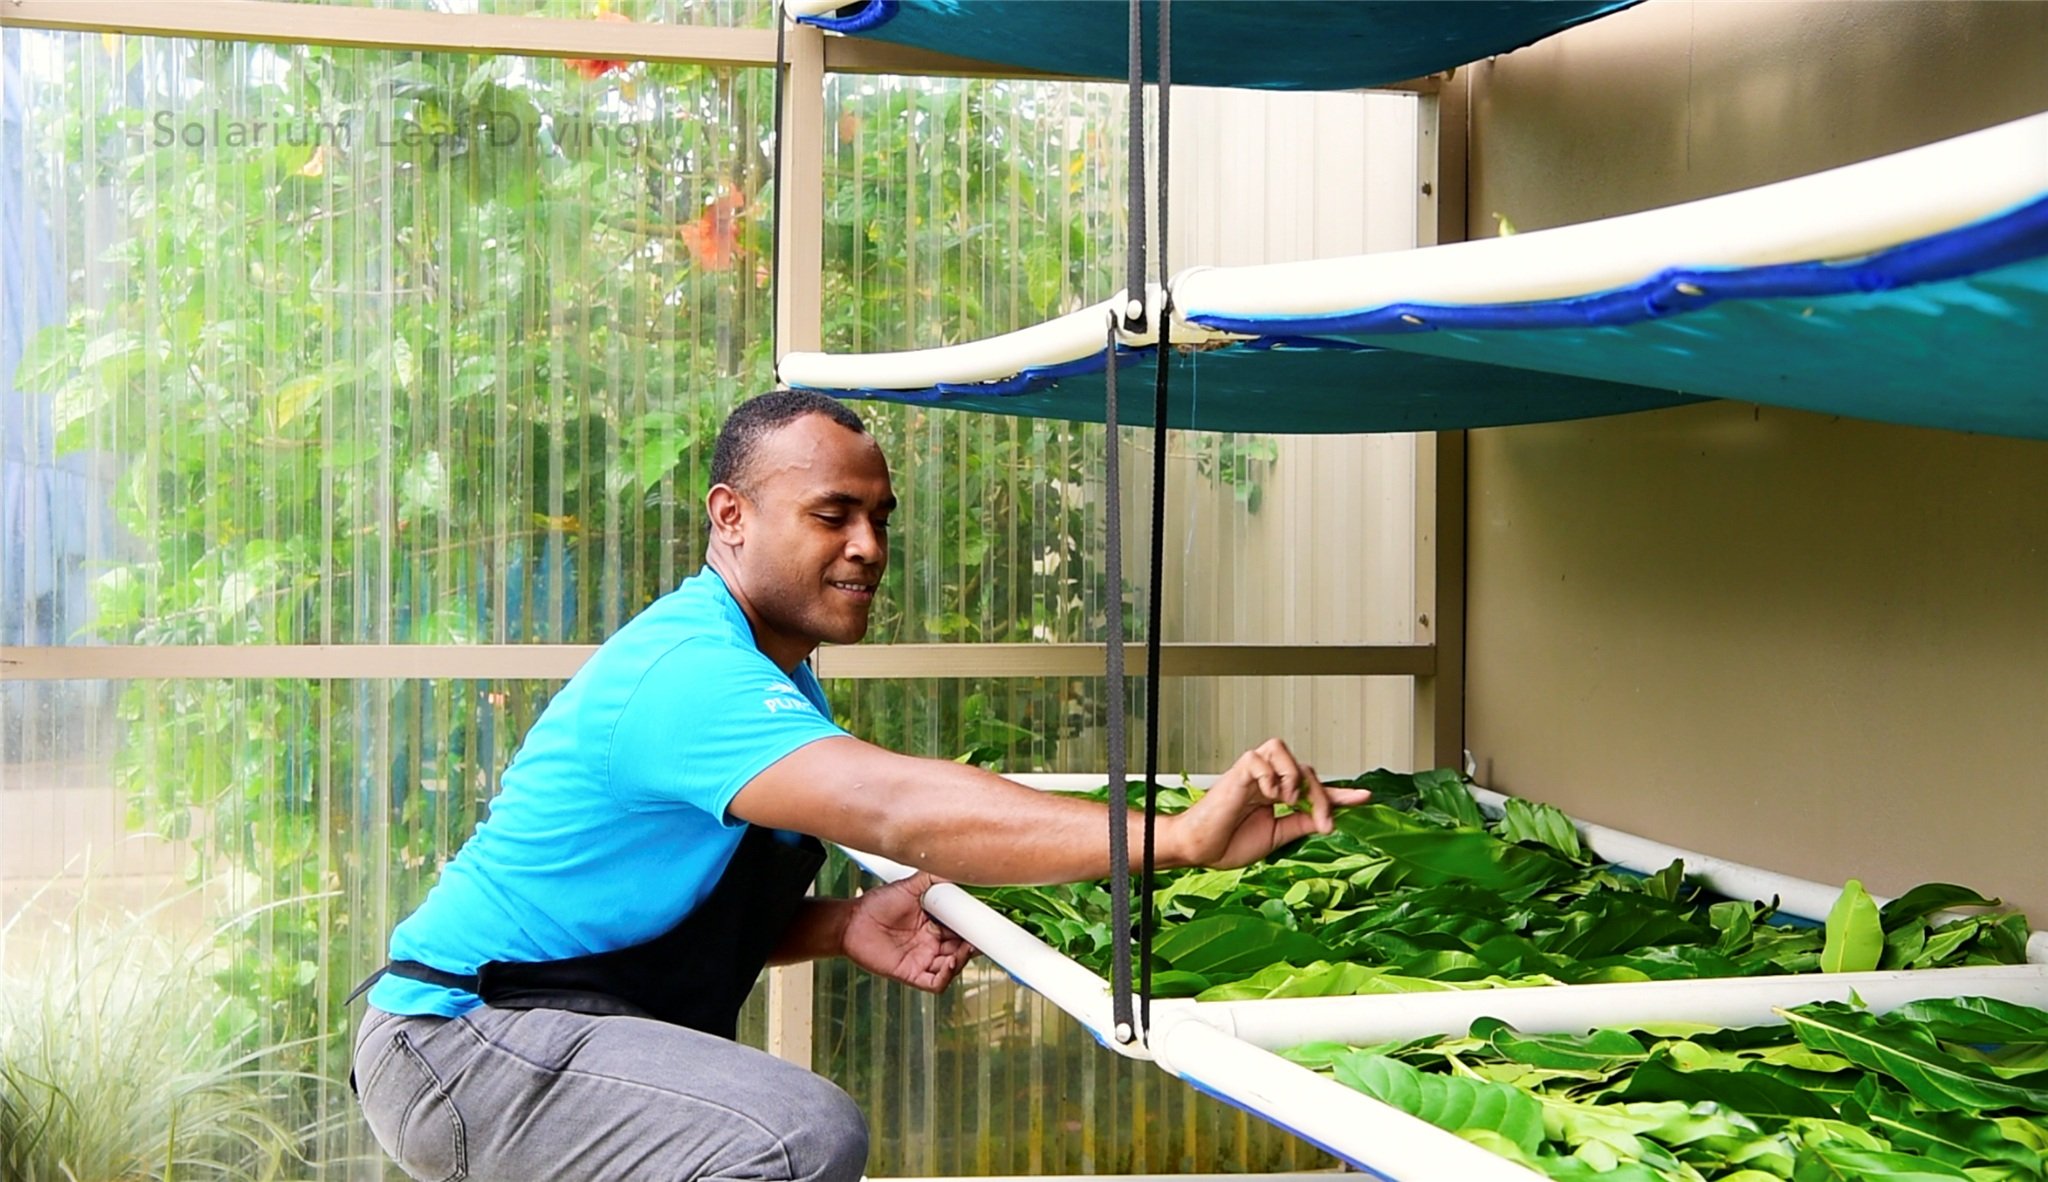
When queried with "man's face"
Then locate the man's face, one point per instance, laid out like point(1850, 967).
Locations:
point(815, 533)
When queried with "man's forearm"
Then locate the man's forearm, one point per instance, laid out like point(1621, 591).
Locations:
point(960, 823)
point(817, 932)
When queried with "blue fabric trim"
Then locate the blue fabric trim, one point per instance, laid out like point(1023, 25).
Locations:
point(2011, 237)
point(872, 13)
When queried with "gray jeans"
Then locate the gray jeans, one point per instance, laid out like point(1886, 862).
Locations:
point(520, 1095)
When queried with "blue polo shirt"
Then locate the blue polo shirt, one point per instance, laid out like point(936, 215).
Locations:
point(611, 827)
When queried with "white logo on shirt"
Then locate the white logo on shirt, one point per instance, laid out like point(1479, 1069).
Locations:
point(783, 696)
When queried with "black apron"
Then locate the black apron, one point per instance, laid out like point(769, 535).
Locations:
point(696, 974)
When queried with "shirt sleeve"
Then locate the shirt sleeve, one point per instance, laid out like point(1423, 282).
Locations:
point(704, 722)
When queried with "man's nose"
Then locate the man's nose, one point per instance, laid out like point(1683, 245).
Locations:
point(866, 544)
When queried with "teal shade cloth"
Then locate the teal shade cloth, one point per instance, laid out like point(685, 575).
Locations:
point(1967, 354)
point(1313, 388)
point(1948, 331)
point(1275, 44)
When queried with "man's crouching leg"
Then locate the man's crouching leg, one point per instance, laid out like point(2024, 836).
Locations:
point(513, 1095)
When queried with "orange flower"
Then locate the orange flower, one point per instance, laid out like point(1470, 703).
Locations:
point(713, 238)
point(595, 68)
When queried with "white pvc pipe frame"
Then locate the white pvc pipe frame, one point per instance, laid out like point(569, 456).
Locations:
point(1827, 215)
point(1226, 1048)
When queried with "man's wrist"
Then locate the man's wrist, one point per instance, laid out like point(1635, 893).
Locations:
point(1167, 851)
point(840, 917)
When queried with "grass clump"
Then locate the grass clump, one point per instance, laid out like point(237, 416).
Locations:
point(121, 1061)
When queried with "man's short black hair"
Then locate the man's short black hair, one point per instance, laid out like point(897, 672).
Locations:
point(757, 417)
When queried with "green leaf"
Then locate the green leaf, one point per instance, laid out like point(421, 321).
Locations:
point(1667, 883)
point(1956, 1138)
point(1927, 899)
point(48, 361)
point(1902, 1051)
point(1544, 824)
point(1443, 793)
point(1603, 925)
point(293, 398)
point(1317, 1056)
point(1575, 1169)
point(1945, 942)
point(2030, 1134)
point(1855, 936)
point(1847, 1163)
point(1734, 921)
point(1902, 945)
point(1976, 1020)
point(1320, 979)
point(1234, 943)
point(659, 454)
point(1174, 983)
point(1463, 856)
point(1602, 1051)
point(1756, 1095)
point(1452, 1103)
point(1205, 885)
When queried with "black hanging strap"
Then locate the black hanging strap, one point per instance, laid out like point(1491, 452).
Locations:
point(1164, 355)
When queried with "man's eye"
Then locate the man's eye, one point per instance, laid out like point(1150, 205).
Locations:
point(831, 519)
point(881, 525)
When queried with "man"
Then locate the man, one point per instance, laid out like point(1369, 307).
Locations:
point(562, 1004)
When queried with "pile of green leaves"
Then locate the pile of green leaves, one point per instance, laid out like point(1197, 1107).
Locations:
point(1420, 891)
point(1954, 1088)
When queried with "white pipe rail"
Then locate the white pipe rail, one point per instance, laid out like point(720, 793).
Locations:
point(1796, 896)
point(1372, 1136)
point(1579, 1009)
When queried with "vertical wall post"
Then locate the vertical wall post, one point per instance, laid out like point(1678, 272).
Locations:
point(799, 320)
point(1440, 456)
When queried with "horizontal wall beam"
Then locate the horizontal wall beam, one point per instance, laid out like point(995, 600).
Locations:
point(1086, 660)
point(338, 662)
point(555, 662)
point(388, 28)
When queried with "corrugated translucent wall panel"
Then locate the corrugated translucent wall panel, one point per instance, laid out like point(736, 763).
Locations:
point(956, 209)
point(278, 829)
point(338, 346)
point(989, 1078)
point(389, 347)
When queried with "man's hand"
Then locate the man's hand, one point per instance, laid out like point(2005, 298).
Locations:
point(1234, 825)
point(890, 934)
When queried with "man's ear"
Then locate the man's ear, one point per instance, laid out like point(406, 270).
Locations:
point(727, 509)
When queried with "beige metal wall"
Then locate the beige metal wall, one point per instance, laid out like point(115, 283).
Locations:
point(1814, 644)
point(1328, 555)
